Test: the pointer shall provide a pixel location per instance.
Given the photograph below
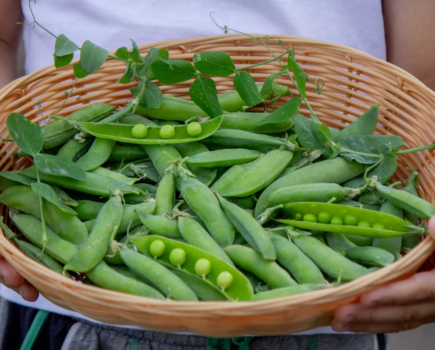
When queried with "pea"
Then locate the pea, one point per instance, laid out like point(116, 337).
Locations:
point(139, 131)
point(379, 226)
point(202, 267)
point(224, 280)
point(298, 216)
point(310, 218)
point(336, 221)
point(324, 217)
point(350, 220)
point(167, 132)
point(194, 129)
point(157, 248)
point(363, 223)
point(177, 257)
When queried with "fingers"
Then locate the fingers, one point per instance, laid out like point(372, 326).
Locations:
point(419, 288)
point(28, 292)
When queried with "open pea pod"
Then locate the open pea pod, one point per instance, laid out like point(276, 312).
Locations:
point(392, 226)
point(239, 290)
point(123, 132)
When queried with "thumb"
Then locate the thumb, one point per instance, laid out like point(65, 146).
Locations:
point(431, 226)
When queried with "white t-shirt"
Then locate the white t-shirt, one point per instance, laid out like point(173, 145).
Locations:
point(110, 24)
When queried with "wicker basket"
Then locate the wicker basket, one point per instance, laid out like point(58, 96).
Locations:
point(353, 82)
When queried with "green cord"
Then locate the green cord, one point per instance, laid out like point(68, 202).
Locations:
point(34, 329)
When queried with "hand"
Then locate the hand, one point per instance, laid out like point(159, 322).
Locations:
point(11, 279)
point(395, 307)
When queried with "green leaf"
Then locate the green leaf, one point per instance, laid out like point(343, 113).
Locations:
point(359, 158)
point(122, 53)
point(92, 57)
point(300, 75)
point(216, 63)
point(152, 55)
point(135, 54)
point(325, 131)
point(267, 88)
point(153, 95)
point(17, 177)
point(135, 91)
point(130, 71)
point(284, 113)
point(62, 61)
point(247, 89)
point(79, 72)
point(310, 136)
point(172, 71)
point(27, 135)
point(60, 166)
point(48, 193)
point(373, 144)
point(385, 170)
point(63, 46)
point(203, 92)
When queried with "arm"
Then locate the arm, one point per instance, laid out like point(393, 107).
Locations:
point(410, 37)
point(10, 32)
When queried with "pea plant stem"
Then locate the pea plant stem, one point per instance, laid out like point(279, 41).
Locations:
point(412, 150)
point(37, 23)
point(345, 150)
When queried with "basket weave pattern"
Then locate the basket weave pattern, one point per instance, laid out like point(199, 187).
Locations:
point(353, 82)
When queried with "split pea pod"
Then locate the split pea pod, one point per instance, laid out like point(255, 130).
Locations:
point(248, 121)
point(250, 229)
point(297, 263)
point(370, 256)
point(329, 261)
point(168, 283)
point(105, 229)
point(335, 170)
point(223, 158)
point(97, 155)
point(268, 271)
point(196, 263)
point(392, 244)
point(104, 276)
point(74, 149)
point(204, 203)
point(31, 228)
point(59, 132)
point(287, 291)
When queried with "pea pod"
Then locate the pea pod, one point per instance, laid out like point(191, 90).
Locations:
point(97, 155)
point(392, 244)
point(31, 228)
point(410, 241)
point(114, 176)
point(94, 184)
point(74, 149)
point(250, 229)
point(248, 121)
point(329, 261)
point(243, 139)
point(240, 288)
point(104, 276)
point(165, 195)
point(287, 291)
point(297, 263)
point(243, 202)
point(335, 170)
point(257, 177)
point(105, 228)
point(359, 240)
point(223, 158)
point(170, 285)
point(392, 226)
point(268, 271)
point(88, 210)
point(320, 192)
point(123, 132)
point(160, 225)
point(141, 170)
point(339, 242)
point(351, 203)
point(59, 132)
point(370, 256)
point(127, 153)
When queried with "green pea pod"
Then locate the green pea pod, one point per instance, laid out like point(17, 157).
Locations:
point(64, 197)
point(204, 203)
point(231, 175)
point(162, 156)
point(248, 121)
point(359, 240)
point(287, 291)
point(337, 170)
point(339, 242)
point(160, 225)
point(67, 226)
point(126, 153)
point(351, 203)
point(88, 210)
point(311, 193)
point(165, 195)
point(268, 271)
point(38, 255)
point(142, 170)
point(392, 244)
point(94, 184)
point(104, 276)
point(393, 226)
point(114, 257)
point(194, 234)
point(370, 256)
point(410, 241)
point(114, 176)
point(329, 261)
point(31, 228)
point(59, 132)
point(97, 155)
point(223, 158)
point(243, 139)
point(123, 132)
point(250, 229)
point(73, 149)
point(259, 176)
point(105, 228)
point(240, 288)
point(170, 285)
point(297, 263)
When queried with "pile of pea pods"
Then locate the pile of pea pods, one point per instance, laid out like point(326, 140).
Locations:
point(216, 209)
